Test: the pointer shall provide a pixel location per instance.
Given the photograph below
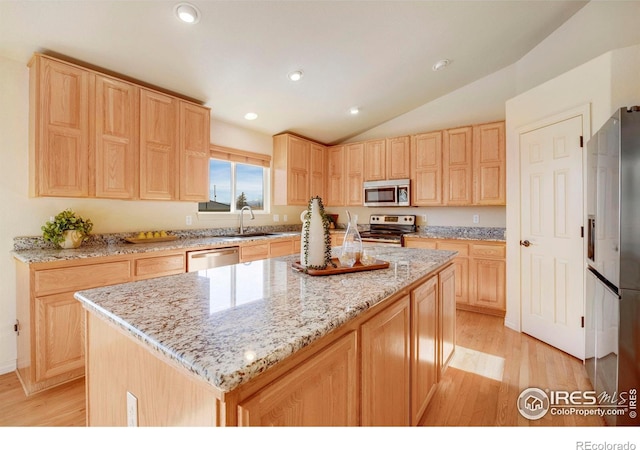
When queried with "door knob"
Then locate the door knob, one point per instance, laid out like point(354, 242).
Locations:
point(525, 243)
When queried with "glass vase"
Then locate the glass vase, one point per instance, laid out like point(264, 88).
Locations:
point(352, 244)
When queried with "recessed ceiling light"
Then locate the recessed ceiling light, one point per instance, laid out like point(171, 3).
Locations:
point(251, 116)
point(441, 64)
point(354, 110)
point(187, 13)
point(295, 75)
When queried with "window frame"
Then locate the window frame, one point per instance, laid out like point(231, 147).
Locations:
point(234, 157)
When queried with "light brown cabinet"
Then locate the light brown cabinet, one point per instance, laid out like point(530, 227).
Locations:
point(480, 266)
point(262, 249)
point(317, 170)
point(424, 348)
point(446, 318)
point(398, 157)
point(94, 135)
point(354, 162)
point(318, 392)
point(386, 367)
point(116, 139)
point(457, 168)
point(335, 188)
point(375, 160)
point(59, 129)
point(489, 164)
point(426, 169)
point(291, 170)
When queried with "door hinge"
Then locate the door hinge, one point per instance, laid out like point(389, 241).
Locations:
point(16, 327)
point(581, 142)
point(581, 232)
point(582, 322)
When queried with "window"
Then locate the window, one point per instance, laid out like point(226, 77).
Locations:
point(237, 179)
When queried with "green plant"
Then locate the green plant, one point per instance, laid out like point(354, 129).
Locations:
point(64, 221)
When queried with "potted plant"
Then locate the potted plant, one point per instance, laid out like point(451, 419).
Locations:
point(67, 230)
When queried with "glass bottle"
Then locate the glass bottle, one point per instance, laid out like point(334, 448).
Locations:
point(352, 244)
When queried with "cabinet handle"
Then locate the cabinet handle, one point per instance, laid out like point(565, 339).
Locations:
point(525, 243)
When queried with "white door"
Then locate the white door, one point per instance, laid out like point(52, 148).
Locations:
point(551, 246)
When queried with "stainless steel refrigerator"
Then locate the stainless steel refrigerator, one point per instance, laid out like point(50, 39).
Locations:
point(612, 318)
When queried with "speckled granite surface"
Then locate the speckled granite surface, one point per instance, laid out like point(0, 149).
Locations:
point(32, 250)
point(229, 324)
point(469, 233)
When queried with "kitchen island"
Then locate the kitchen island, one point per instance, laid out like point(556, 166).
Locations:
point(260, 343)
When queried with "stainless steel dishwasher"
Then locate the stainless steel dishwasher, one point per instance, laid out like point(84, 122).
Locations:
point(215, 257)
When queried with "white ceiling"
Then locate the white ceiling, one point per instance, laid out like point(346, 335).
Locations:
point(375, 55)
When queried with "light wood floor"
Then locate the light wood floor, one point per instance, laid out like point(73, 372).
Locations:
point(492, 365)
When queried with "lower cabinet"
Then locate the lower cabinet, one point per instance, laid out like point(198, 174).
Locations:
point(446, 318)
point(385, 366)
point(480, 272)
point(319, 392)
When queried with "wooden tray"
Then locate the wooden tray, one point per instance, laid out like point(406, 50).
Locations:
point(151, 240)
point(357, 267)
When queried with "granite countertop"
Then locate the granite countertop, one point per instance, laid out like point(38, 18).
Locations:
point(465, 233)
point(121, 247)
point(229, 324)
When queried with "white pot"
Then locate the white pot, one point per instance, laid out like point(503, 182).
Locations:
point(72, 239)
point(314, 244)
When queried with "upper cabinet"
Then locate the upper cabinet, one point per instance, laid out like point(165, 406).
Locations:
point(354, 162)
point(457, 175)
point(426, 169)
point(387, 159)
point(335, 187)
point(59, 141)
point(94, 135)
point(298, 170)
point(489, 164)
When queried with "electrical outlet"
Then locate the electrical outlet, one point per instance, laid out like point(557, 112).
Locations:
point(424, 218)
point(284, 217)
point(276, 218)
point(189, 221)
point(476, 218)
point(132, 410)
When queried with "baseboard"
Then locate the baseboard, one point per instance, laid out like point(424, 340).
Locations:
point(7, 366)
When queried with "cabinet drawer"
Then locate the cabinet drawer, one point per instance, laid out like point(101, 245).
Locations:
point(488, 250)
point(159, 266)
point(67, 279)
point(280, 248)
point(420, 243)
point(461, 248)
point(254, 252)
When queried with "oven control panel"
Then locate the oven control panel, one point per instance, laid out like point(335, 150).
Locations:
point(381, 219)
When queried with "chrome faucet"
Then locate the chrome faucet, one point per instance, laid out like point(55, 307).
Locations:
point(247, 208)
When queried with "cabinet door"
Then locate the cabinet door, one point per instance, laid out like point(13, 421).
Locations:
point(323, 391)
point(374, 160)
point(488, 283)
point(116, 139)
point(461, 265)
point(426, 169)
point(281, 248)
point(335, 192)
point(398, 154)
point(424, 326)
point(194, 152)
point(60, 105)
point(489, 164)
point(59, 338)
point(355, 178)
point(317, 170)
point(158, 146)
point(446, 317)
point(385, 367)
point(457, 166)
point(298, 155)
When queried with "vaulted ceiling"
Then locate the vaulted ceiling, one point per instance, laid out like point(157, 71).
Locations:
point(374, 55)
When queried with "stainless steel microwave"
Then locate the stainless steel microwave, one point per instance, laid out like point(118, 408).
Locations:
point(387, 193)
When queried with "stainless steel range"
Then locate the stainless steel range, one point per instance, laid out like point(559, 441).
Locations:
point(386, 229)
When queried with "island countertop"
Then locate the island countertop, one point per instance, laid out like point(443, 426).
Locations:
point(227, 325)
